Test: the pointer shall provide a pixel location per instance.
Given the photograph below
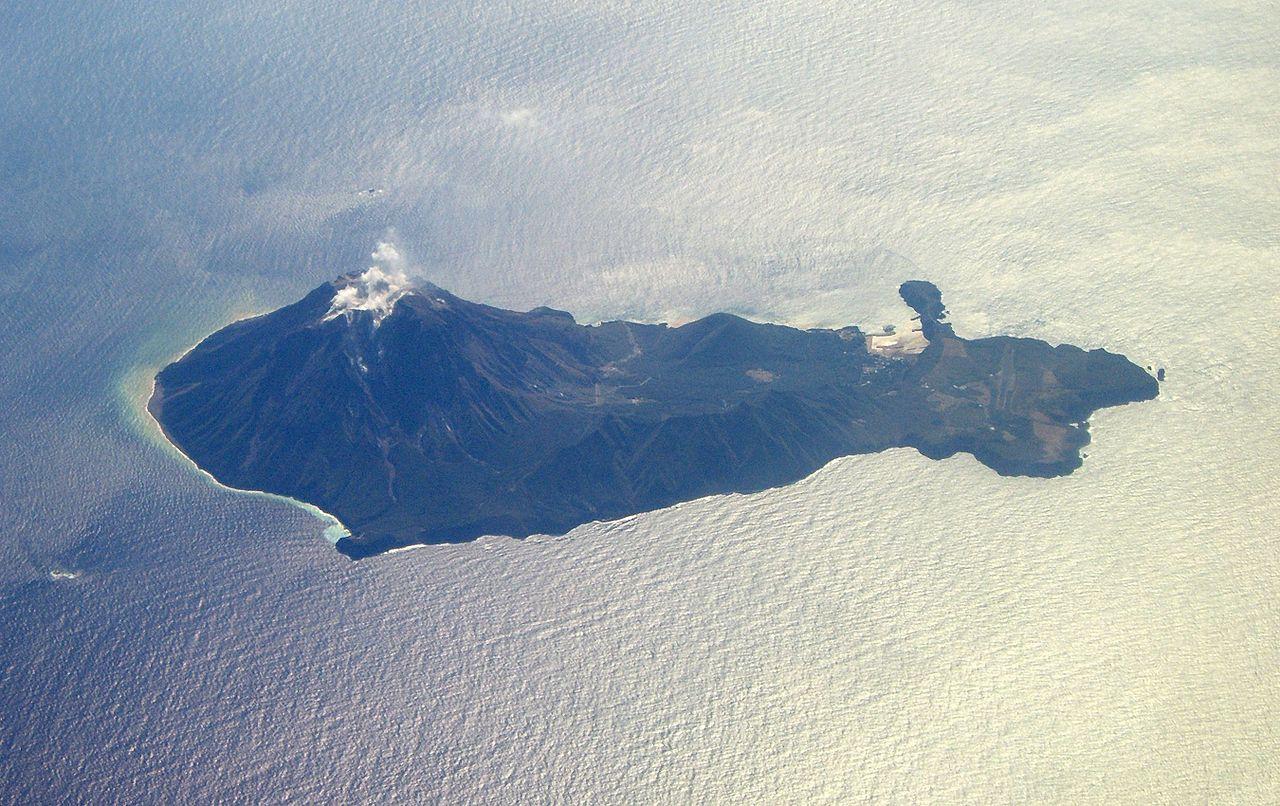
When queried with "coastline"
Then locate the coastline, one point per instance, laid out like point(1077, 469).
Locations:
point(1041, 442)
point(149, 427)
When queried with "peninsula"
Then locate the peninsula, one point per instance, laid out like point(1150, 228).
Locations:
point(415, 416)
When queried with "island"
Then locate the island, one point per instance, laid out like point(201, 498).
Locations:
point(417, 417)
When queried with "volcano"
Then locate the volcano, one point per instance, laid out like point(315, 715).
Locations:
point(415, 416)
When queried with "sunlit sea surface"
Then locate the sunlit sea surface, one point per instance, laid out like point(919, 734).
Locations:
point(891, 629)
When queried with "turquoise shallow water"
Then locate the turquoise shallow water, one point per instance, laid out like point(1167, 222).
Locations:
point(891, 629)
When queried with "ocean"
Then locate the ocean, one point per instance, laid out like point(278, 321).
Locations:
point(891, 629)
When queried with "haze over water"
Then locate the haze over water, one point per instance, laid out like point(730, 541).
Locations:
point(890, 629)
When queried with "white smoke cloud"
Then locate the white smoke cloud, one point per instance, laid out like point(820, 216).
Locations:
point(377, 289)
